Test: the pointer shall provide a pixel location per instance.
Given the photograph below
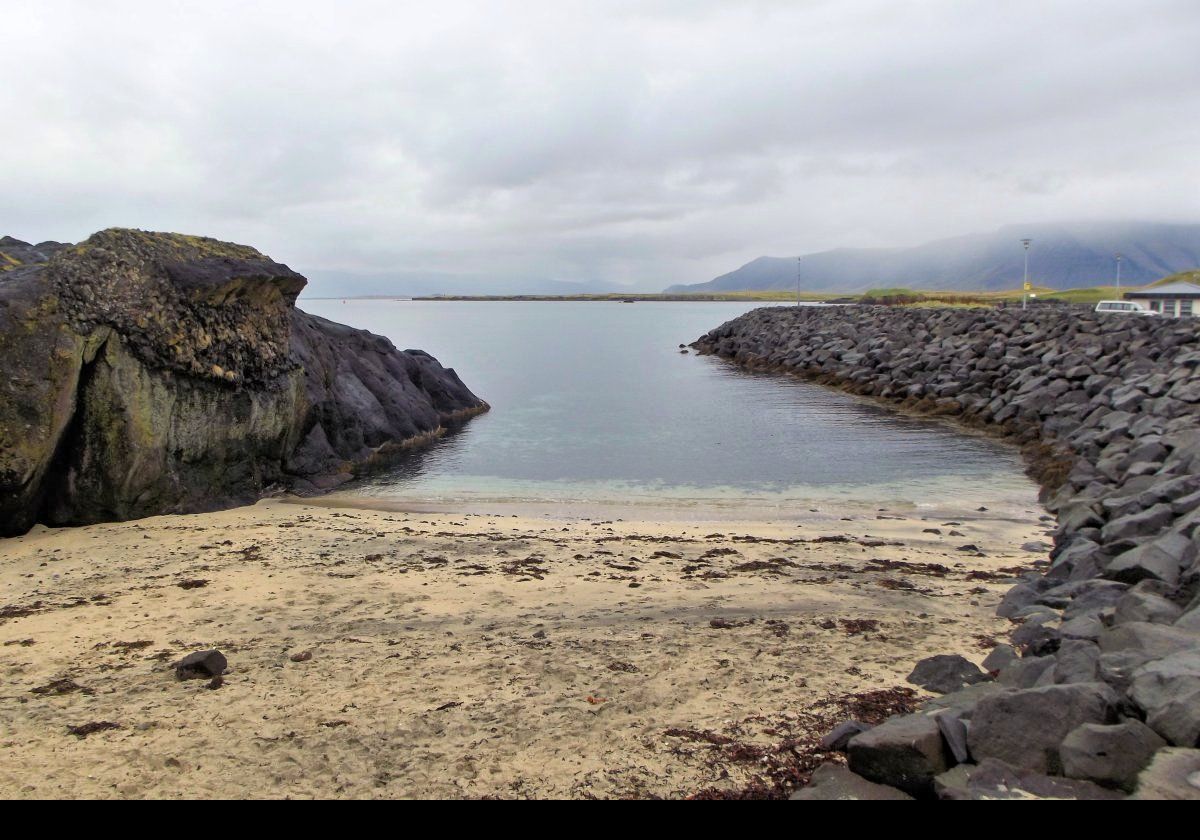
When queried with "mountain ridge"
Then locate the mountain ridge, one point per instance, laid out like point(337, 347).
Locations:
point(1062, 256)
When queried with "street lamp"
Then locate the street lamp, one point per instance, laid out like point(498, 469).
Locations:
point(1118, 256)
point(1025, 285)
point(799, 271)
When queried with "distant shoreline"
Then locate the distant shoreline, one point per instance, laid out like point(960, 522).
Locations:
point(764, 297)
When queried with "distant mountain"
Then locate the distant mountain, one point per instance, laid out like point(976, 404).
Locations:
point(1062, 256)
point(426, 284)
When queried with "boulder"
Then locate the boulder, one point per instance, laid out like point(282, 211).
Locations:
point(1168, 691)
point(1025, 728)
point(1144, 605)
point(1152, 641)
point(1111, 756)
point(151, 373)
point(902, 752)
point(994, 779)
point(1160, 559)
point(840, 735)
point(201, 665)
point(945, 673)
point(835, 782)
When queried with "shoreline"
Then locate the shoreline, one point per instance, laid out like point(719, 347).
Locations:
point(576, 647)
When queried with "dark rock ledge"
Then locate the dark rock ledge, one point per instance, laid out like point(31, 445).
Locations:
point(1099, 696)
point(150, 373)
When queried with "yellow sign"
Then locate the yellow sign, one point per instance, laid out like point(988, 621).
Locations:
point(1028, 287)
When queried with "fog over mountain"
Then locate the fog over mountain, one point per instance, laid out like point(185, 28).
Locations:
point(1061, 256)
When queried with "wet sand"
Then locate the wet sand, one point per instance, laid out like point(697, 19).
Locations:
point(471, 655)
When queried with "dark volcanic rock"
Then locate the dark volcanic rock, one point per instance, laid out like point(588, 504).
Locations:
point(945, 673)
point(994, 779)
point(202, 665)
point(835, 782)
point(903, 752)
point(1025, 728)
point(1112, 756)
point(152, 373)
point(1107, 411)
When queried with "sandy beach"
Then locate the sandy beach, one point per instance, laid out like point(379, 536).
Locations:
point(450, 655)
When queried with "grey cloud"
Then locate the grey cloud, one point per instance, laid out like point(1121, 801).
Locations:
point(637, 142)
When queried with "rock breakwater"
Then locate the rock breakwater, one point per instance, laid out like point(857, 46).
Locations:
point(1099, 691)
point(149, 373)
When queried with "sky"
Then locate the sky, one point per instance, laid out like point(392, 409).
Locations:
point(640, 142)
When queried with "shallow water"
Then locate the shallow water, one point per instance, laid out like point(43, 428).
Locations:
point(593, 404)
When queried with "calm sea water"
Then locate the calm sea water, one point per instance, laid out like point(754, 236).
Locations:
point(592, 403)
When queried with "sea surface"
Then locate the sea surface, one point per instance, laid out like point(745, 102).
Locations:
point(595, 406)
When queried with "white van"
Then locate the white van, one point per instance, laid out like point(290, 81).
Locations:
point(1122, 307)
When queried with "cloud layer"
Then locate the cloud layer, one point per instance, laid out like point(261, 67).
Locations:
point(642, 142)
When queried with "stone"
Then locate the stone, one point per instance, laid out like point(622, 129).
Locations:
point(903, 752)
point(835, 782)
point(1140, 604)
point(1173, 774)
point(994, 779)
point(201, 665)
point(1077, 661)
point(1025, 672)
point(1168, 691)
point(1153, 641)
point(1025, 728)
point(840, 735)
point(953, 727)
point(1001, 657)
point(1138, 524)
point(1034, 638)
point(1161, 559)
point(1109, 755)
point(945, 673)
point(151, 373)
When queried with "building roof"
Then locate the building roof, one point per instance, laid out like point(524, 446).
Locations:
point(1169, 290)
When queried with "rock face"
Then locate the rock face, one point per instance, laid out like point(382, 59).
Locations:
point(1107, 411)
point(153, 373)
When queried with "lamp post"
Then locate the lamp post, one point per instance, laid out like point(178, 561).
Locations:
point(1025, 284)
point(1118, 256)
point(799, 271)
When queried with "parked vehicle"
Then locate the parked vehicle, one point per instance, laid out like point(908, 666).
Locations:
point(1122, 307)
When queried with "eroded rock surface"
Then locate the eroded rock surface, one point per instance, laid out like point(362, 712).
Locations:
point(150, 373)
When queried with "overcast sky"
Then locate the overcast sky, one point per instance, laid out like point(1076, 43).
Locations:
point(636, 142)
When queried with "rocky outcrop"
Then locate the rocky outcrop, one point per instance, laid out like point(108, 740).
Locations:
point(1108, 412)
point(152, 373)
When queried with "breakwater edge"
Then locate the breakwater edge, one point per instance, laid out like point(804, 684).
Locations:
point(1098, 693)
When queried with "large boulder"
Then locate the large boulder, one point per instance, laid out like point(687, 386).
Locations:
point(1112, 756)
point(1025, 728)
point(1168, 691)
point(903, 752)
point(152, 373)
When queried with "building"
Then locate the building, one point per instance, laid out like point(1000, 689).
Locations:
point(1174, 300)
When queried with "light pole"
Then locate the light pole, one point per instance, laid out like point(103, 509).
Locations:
point(1025, 285)
point(1118, 276)
point(798, 273)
